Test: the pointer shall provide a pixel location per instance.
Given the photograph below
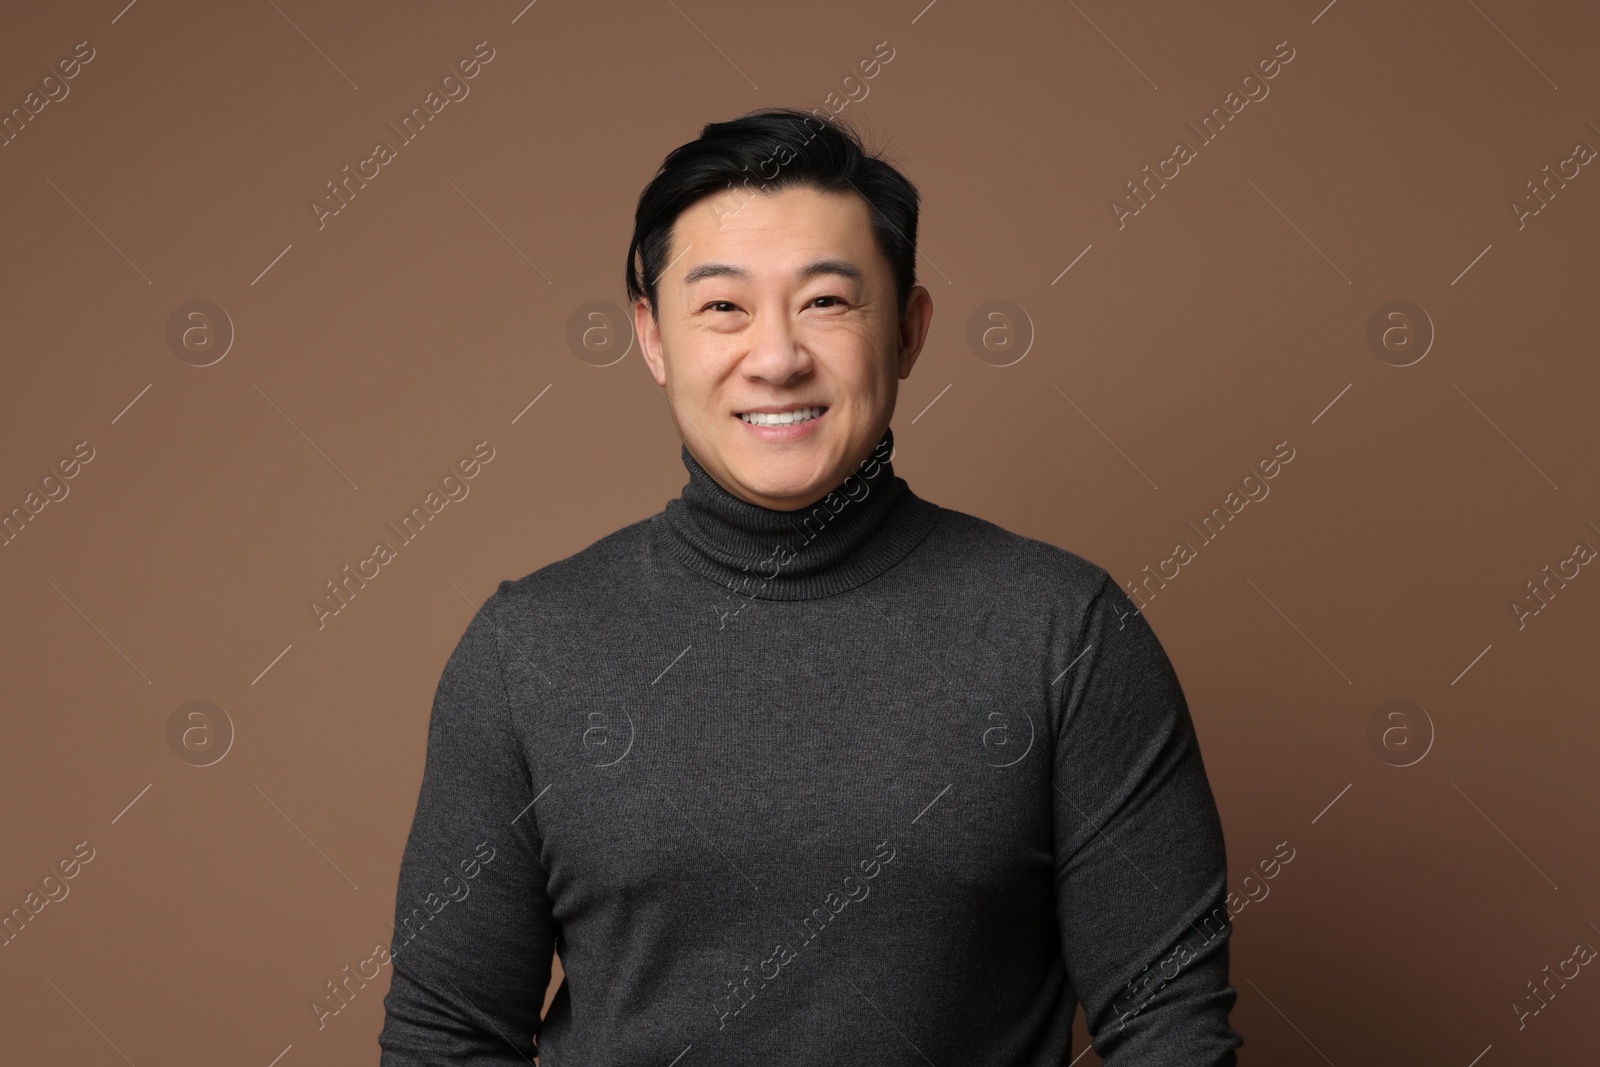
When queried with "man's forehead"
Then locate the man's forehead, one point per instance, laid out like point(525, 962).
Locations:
point(739, 218)
point(835, 266)
point(738, 235)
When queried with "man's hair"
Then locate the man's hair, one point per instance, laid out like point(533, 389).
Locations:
point(765, 151)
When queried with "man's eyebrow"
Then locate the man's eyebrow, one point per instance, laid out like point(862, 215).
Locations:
point(713, 270)
point(840, 267)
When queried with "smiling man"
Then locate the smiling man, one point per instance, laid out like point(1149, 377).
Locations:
point(796, 336)
point(805, 768)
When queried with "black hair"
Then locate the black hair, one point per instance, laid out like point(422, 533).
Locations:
point(766, 151)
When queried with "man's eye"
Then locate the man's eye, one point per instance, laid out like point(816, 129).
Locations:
point(718, 305)
point(836, 300)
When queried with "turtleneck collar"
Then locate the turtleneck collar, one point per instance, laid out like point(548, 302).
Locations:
point(864, 526)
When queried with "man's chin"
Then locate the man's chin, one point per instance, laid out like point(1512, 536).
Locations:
point(783, 485)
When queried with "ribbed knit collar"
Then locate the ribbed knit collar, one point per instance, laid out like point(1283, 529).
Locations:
point(866, 525)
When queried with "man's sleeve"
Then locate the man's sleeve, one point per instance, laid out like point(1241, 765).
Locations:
point(473, 931)
point(1141, 871)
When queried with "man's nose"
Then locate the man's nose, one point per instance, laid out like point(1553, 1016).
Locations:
point(777, 353)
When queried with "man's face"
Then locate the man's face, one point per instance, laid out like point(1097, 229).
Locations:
point(776, 303)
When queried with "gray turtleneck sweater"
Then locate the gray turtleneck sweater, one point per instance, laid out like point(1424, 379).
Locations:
point(873, 782)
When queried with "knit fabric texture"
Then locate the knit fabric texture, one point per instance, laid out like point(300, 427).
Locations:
point(871, 782)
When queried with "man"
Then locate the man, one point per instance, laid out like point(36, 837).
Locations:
point(806, 769)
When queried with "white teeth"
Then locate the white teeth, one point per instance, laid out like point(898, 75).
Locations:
point(783, 418)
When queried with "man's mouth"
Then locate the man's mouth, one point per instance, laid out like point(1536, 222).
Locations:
point(781, 418)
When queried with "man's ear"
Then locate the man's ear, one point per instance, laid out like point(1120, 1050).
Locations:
point(648, 331)
point(914, 328)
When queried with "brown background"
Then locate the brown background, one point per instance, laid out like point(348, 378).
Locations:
point(1229, 315)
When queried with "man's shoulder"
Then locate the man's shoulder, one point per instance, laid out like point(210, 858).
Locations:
point(604, 567)
point(983, 551)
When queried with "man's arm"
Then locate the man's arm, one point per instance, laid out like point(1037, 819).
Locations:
point(1141, 872)
point(474, 935)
